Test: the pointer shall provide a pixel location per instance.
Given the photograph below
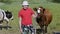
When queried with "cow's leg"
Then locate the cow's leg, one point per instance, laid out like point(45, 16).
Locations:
point(42, 29)
point(7, 25)
point(41, 24)
point(46, 29)
point(1, 25)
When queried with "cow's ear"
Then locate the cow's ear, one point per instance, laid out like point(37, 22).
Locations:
point(35, 9)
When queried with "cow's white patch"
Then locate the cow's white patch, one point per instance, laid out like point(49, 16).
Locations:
point(39, 10)
point(5, 18)
point(1, 15)
point(11, 18)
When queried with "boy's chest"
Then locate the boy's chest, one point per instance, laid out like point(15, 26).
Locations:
point(26, 13)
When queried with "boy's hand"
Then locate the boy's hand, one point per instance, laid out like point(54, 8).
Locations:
point(21, 30)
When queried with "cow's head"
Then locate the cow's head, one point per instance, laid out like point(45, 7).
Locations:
point(9, 15)
point(40, 11)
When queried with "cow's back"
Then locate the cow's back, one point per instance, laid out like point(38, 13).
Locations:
point(48, 15)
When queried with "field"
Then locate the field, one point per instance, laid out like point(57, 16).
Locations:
point(15, 6)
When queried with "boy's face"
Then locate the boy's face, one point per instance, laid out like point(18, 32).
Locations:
point(25, 6)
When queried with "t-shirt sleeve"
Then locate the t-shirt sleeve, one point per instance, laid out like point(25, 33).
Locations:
point(19, 14)
point(32, 12)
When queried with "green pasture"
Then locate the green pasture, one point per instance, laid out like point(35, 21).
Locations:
point(15, 6)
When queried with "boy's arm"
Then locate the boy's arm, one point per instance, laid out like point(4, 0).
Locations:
point(34, 15)
point(20, 24)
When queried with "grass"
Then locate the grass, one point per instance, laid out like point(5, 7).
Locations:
point(16, 6)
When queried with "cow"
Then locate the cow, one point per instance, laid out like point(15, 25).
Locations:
point(5, 16)
point(44, 18)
